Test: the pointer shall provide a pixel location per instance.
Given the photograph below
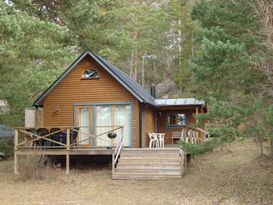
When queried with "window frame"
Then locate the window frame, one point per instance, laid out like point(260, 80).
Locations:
point(90, 78)
point(175, 126)
point(94, 113)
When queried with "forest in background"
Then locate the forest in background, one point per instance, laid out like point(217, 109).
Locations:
point(216, 50)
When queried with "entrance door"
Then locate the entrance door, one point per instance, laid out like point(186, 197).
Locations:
point(84, 122)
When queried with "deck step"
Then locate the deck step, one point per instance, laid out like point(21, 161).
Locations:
point(143, 176)
point(148, 157)
point(159, 154)
point(149, 172)
point(148, 164)
point(151, 151)
point(151, 161)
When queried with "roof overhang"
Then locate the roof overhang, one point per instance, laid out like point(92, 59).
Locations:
point(179, 102)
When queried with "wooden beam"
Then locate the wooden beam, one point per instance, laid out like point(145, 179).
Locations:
point(15, 152)
point(113, 165)
point(63, 152)
point(67, 149)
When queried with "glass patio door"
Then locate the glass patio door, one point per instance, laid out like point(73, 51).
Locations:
point(95, 122)
point(84, 122)
point(104, 125)
point(109, 117)
point(122, 118)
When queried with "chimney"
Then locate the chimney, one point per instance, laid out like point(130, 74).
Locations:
point(153, 92)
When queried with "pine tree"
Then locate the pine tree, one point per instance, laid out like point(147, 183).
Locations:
point(33, 53)
point(225, 71)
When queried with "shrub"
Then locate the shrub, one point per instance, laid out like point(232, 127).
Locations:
point(206, 146)
point(6, 146)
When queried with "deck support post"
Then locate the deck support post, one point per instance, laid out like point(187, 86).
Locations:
point(113, 166)
point(67, 151)
point(15, 152)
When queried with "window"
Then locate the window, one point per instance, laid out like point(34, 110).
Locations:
point(99, 120)
point(176, 120)
point(90, 74)
point(109, 117)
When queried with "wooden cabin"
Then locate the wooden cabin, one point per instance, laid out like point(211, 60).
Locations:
point(92, 92)
point(98, 98)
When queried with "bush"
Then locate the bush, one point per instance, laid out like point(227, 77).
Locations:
point(6, 146)
point(206, 146)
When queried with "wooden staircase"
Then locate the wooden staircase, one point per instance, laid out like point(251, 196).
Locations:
point(149, 164)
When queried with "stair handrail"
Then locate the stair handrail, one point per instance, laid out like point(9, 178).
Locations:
point(118, 149)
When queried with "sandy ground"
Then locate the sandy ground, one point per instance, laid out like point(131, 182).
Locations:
point(231, 175)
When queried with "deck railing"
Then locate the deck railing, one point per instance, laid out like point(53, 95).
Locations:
point(193, 135)
point(28, 138)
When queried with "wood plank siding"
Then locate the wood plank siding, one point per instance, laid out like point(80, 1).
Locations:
point(148, 122)
point(58, 104)
point(162, 115)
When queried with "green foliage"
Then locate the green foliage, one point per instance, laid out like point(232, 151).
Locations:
point(6, 146)
point(33, 53)
point(207, 146)
point(39, 38)
point(185, 29)
point(225, 68)
point(269, 115)
point(120, 30)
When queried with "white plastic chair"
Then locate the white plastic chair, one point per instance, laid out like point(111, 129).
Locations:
point(153, 140)
point(161, 139)
point(183, 136)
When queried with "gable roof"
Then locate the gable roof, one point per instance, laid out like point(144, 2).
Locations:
point(124, 79)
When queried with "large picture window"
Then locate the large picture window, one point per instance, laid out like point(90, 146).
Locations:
point(176, 119)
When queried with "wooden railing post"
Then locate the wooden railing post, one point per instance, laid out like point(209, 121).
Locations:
point(67, 150)
point(15, 152)
point(113, 163)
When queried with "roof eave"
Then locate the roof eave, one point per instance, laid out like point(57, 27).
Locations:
point(181, 105)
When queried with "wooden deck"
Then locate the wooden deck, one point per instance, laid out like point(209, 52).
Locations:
point(127, 163)
point(28, 142)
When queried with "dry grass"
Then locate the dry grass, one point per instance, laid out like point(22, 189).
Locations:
point(232, 175)
point(30, 168)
